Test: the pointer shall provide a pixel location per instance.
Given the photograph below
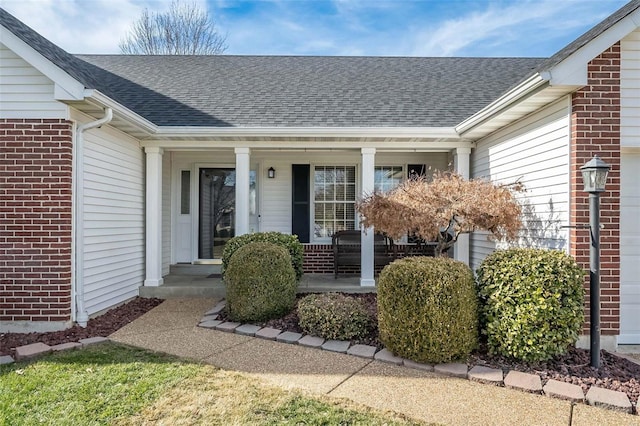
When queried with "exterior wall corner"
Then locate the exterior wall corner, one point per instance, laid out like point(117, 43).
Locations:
point(595, 129)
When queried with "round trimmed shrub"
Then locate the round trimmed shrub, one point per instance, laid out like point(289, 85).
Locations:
point(333, 316)
point(427, 309)
point(261, 283)
point(531, 302)
point(289, 242)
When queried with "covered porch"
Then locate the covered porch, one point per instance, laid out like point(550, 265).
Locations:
point(204, 188)
point(205, 281)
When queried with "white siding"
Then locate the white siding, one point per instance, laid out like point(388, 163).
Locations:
point(534, 151)
point(113, 218)
point(630, 248)
point(630, 90)
point(166, 213)
point(630, 190)
point(24, 91)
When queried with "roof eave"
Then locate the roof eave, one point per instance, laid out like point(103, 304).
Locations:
point(308, 132)
point(531, 85)
point(95, 97)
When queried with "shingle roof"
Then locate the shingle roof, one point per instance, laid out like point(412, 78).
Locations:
point(301, 91)
point(286, 91)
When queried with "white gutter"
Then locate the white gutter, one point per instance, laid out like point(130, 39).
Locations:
point(122, 111)
point(534, 83)
point(81, 315)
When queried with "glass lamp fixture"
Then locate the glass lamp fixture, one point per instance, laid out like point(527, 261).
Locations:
point(594, 175)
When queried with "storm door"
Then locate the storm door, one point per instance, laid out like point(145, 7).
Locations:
point(217, 204)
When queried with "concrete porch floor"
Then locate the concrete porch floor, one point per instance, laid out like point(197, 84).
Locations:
point(201, 286)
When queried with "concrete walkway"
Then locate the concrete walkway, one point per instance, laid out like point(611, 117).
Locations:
point(172, 328)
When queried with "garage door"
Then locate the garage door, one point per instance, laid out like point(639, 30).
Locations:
point(630, 249)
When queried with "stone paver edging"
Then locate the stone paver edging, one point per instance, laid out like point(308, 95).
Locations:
point(524, 382)
point(38, 349)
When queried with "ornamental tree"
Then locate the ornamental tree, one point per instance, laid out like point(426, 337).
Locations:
point(444, 207)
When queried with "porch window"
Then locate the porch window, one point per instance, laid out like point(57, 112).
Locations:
point(387, 178)
point(334, 199)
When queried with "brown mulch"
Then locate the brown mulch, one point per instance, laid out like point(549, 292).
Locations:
point(104, 325)
point(615, 373)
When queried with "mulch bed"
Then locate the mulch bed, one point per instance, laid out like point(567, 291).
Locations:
point(615, 373)
point(104, 325)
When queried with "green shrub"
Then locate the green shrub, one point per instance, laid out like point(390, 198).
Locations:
point(289, 242)
point(333, 316)
point(261, 283)
point(531, 302)
point(427, 309)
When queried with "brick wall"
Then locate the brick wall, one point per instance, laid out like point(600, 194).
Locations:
point(35, 220)
point(318, 259)
point(595, 129)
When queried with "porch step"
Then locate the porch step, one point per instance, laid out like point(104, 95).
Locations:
point(170, 291)
point(194, 270)
point(186, 285)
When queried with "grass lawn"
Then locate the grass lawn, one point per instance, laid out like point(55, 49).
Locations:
point(114, 384)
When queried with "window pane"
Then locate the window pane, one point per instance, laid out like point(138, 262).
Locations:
point(387, 178)
point(335, 194)
point(185, 191)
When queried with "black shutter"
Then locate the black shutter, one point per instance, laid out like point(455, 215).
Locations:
point(301, 204)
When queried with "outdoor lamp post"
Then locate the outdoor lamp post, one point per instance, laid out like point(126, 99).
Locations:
point(594, 176)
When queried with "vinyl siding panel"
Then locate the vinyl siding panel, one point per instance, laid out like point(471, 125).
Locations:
point(630, 90)
point(534, 151)
point(630, 190)
point(630, 248)
point(113, 218)
point(24, 91)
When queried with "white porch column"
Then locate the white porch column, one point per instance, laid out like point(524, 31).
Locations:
point(367, 242)
point(153, 227)
point(463, 167)
point(243, 170)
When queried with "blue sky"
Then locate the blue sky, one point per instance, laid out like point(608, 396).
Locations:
point(337, 27)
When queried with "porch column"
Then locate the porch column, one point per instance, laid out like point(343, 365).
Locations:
point(243, 170)
point(463, 167)
point(153, 181)
point(367, 241)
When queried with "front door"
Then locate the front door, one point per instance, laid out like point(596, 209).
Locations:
point(217, 203)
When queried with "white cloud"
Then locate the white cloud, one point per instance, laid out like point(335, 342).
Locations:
point(83, 26)
point(497, 26)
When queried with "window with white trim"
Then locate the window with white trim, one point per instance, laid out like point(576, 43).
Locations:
point(334, 199)
point(387, 177)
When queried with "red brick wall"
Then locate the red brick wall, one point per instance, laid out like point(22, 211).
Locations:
point(318, 259)
point(595, 129)
point(35, 220)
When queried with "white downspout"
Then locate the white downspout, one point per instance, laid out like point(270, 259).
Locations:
point(81, 315)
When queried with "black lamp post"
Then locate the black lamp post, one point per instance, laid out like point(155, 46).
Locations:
point(594, 176)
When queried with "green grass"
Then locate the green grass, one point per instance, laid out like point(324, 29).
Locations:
point(114, 384)
point(90, 386)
